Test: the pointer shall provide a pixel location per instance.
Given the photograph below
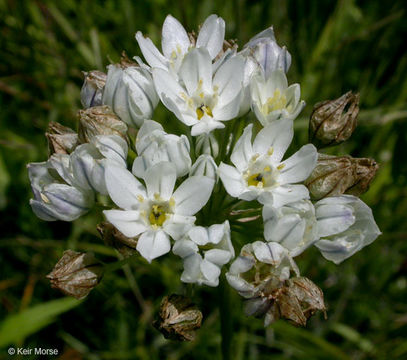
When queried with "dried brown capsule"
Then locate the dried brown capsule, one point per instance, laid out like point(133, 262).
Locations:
point(334, 121)
point(178, 318)
point(113, 237)
point(92, 88)
point(99, 120)
point(76, 274)
point(337, 175)
point(61, 139)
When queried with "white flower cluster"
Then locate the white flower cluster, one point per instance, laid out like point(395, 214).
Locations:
point(171, 190)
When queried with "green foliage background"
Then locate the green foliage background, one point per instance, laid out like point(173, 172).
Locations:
point(336, 46)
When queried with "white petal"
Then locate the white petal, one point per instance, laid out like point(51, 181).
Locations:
point(178, 225)
point(243, 151)
point(227, 111)
point(228, 79)
point(112, 147)
point(333, 219)
point(299, 166)
point(196, 71)
point(124, 189)
point(184, 248)
point(150, 52)
point(199, 235)
point(160, 179)
point(274, 138)
point(218, 257)
point(211, 272)
point(153, 244)
point(231, 179)
point(192, 270)
point(175, 39)
point(127, 222)
point(211, 35)
point(284, 194)
point(269, 253)
point(192, 195)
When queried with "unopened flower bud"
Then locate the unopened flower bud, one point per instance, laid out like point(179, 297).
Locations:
point(178, 318)
point(204, 166)
point(130, 93)
point(99, 120)
point(334, 121)
point(61, 139)
point(207, 144)
point(76, 274)
point(337, 175)
point(92, 88)
point(113, 237)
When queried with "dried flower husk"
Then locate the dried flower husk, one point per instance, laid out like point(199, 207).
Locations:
point(333, 121)
point(113, 237)
point(76, 274)
point(99, 120)
point(178, 318)
point(61, 139)
point(337, 175)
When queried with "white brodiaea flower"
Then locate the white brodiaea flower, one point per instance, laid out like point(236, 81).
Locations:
point(273, 99)
point(64, 187)
point(202, 99)
point(204, 267)
point(293, 226)
point(259, 173)
point(345, 225)
point(157, 212)
point(154, 145)
point(176, 43)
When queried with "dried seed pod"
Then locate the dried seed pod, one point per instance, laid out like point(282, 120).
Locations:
point(61, 139)
point(99, 120)
point(92, 88)
point(76, 274)
point(333, 121)
point(178, 318)
point(337, 175)
point(113, 237)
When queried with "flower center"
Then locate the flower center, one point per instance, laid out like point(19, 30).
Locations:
point(255, 179)
point(157, 215)
point(277, 102)
point(202, 110)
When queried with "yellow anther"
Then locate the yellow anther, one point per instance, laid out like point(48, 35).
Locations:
point(255, 180)
point(202, 110)
point(173, 55)
point(201, 95)
point(179, 49)
point(270, 151)
point(281, 167)
point(157, 215)
point(157, 196)
point(140, 198)
point(172, 202)
point(277, 102)
point(45, 199)
point(267, 168)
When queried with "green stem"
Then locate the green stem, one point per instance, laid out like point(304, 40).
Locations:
point(225, 311)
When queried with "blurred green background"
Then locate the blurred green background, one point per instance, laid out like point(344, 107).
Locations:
point(336, 46)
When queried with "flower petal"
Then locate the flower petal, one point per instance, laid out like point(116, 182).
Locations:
point(211, 35)
point(150, 52)
point(175, 40)
point(127, 222)
point(299, 166)
point(243, 151)
point(283, 195)
point(153, 244)
point(192, 195)
point(231, 179)
point(160, 179)
point(274, 138)
point(124, 189)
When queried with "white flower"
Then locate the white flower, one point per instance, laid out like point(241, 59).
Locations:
point(259, 173)
point(205, 268)
point(176, 43)
point(269, 265)
point(200, 98)
point(345, 225)
point(157, 212)
point(269, 56)
point(154, 145)
point(294, 226)
point(130, 93)
point(273, 99)
point(205, 166)
point(56, 199)
point(64, 187)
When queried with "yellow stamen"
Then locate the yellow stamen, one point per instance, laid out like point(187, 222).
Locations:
point(202, 110)
point(277, 102)
point(157, 215)
point(256, 180)
point(281, 167)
